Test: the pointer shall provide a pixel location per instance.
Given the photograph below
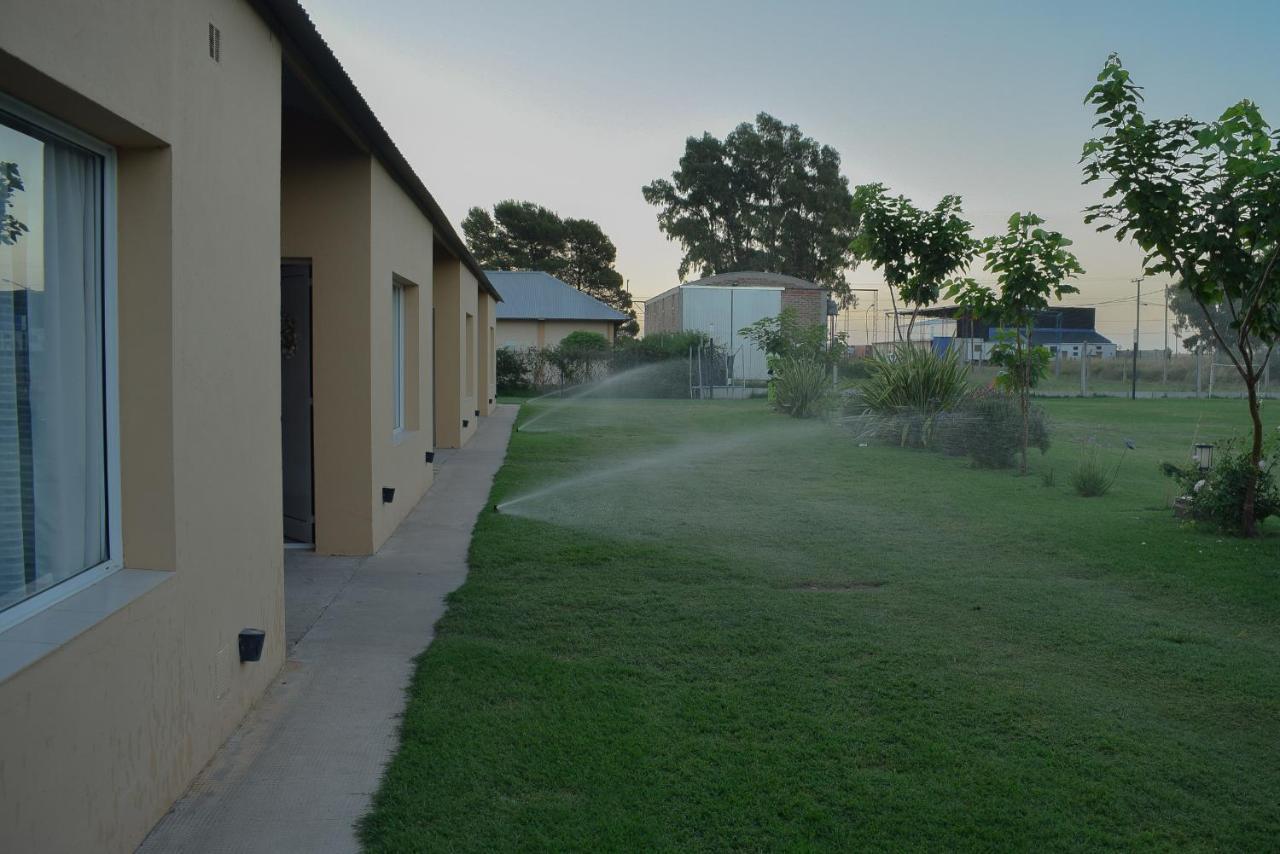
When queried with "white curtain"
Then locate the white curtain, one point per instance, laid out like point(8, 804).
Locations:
point(53, 409)
point(67, 372)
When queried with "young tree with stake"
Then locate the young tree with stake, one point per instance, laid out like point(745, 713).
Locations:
point(1202, 199)
point(1031, 265)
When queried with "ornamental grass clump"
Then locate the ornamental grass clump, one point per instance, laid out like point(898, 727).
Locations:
point(801, 387)
point(909, 388)
point(1092, 477)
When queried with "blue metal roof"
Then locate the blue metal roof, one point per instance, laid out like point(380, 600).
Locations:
point(534, 295)
point(1043, 336)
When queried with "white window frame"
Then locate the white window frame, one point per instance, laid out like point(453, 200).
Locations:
point(397, 359)
point(45, 599)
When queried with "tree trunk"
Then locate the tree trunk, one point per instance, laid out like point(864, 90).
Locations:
point(1248, 520)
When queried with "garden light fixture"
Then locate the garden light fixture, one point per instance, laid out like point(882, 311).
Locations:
point(250, 642)
point(1202, 455)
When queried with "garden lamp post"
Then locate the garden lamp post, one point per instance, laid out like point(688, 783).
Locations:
point(1202, 455)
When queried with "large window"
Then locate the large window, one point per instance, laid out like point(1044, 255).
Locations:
point(397, 355)
point(55, 405)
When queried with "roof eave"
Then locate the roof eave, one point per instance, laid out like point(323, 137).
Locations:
point(299, 36)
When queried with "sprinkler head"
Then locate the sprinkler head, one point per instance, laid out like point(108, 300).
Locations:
point(497, 508)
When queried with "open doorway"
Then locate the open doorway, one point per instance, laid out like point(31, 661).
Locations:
point(296, 404)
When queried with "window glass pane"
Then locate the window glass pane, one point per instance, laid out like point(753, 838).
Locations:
point(53, 509)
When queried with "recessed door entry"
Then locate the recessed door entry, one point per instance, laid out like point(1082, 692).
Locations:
point(295, 402)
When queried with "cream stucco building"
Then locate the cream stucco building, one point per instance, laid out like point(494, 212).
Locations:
point(233, 316)
point(539, 310)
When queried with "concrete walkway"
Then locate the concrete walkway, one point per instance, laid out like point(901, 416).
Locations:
point(304, 764)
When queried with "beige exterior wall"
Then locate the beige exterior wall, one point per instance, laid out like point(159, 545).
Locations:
point(402, 251)
point(105, 732)
point(519, 334)
point(327, 189)
point(216, 187)
point(487, 347)
point(455, 390)
point(344, 214)
point(469, 334)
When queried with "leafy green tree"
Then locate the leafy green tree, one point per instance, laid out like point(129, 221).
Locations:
point(1031, 265)
point(589, 257)
point(518, 236)
point(784, 335)
point(10, 182)
point(1019, 365)
point(766, 197)
point(916, 250)
point(1202, 199)
point(527, 236)
point(1195, 323)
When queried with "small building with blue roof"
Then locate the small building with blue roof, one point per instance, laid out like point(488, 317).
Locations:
point(539, 310)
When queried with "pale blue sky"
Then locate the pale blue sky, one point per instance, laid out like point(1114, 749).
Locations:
point(576, 104)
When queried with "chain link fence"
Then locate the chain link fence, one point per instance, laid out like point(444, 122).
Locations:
point(1157, 374)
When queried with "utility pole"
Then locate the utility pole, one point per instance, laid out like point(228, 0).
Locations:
point(1165, 355)
point(1137, 323)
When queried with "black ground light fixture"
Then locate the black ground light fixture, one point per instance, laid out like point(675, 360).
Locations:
point(388, 494)
point(477, 413)
point(251, 641)
point(465, 422)
point(431, 456)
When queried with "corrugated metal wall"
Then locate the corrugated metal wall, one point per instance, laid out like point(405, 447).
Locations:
point(723, 312)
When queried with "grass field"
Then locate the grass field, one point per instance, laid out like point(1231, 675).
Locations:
point(705, 626)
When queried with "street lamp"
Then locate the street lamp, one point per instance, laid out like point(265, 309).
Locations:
point(1202, 455)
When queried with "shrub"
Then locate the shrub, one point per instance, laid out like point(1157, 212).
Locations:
point(908, 389)
point(854, 368)
point(802, 386)
point(578, 355)
point(658, 347)
point(665, 379)
point(1218, 494)
point(987, 427)
point(512, 371)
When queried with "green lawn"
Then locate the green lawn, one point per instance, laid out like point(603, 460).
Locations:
point(730, 630)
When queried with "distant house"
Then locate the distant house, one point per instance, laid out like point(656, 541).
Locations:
point(1069, 331)
point(723, 304)
point(539, 310)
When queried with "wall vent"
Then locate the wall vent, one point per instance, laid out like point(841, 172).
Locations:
point(215, 43)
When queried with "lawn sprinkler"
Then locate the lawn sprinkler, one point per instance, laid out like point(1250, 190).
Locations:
point(497, 508)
